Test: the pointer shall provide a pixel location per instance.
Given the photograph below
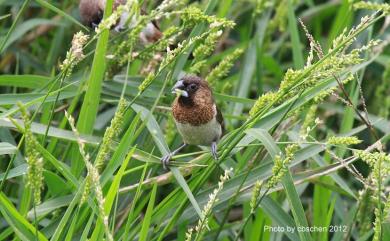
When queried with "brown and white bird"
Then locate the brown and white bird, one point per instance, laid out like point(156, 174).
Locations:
point(197, 118)
point(91, 12)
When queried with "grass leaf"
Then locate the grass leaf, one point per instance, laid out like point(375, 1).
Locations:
point(21, 226)
point(6, 148)
point(146, 223)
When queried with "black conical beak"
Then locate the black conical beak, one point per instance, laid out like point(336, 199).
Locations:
point(178, 89)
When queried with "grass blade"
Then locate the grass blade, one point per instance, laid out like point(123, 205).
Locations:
point(92, 96)
point(20, 224)
point(148, 215)
point(111, 194)
point(187, 190)
point(294, 34)
point(6, 148)
point(288, 184)
point(60, 12)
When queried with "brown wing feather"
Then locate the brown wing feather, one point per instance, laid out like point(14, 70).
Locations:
point(220, 120)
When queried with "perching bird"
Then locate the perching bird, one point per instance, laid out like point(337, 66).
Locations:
point(91, 12)
point(197, 118)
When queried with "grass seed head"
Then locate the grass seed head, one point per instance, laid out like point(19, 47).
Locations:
point(255, 195)
point(33, 157)
point(281, 166)
point(384, 7)
point(262, 102)
point(202, 224)
point(223, 68)
point(75, 54)
point(111, 133)
point(343, 140)
point(147, 81)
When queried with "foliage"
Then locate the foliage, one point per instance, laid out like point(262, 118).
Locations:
point(85, 118)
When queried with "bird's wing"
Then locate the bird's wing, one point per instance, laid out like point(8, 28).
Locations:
point(220, 120)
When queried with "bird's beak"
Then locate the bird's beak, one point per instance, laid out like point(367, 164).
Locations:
point(178, 89)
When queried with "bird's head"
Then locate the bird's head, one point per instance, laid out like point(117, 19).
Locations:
point(190, 86)
point(91, 12)
point(193, 90)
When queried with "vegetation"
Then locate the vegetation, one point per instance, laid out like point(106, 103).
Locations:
point(85, 118)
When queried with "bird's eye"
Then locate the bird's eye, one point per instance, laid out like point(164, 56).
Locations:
point(193, 86)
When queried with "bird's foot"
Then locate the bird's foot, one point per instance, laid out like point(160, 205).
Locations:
point(165, 160)
point(119, 28)
point(94, 26)
point(214, 151)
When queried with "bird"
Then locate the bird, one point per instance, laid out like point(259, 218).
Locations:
point(197, 118)
point(91, 13)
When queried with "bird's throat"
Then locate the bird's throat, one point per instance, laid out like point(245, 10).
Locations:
point(186, 101)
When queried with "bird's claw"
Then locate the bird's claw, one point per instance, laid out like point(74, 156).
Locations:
point(94, 25)
point(165, 161)
point(119, 28)
point(214, 151)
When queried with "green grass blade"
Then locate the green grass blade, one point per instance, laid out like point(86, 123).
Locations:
point(141, 200)
point(5, 233)
point(21, 225)
point(111, 194)
point(294, 34)
point(66, 216)
point(5, 40)
point(296, 205)
point(347, 222)
point(288, 184)
point(279, 216)
point(153, 128)
point(92, 96)
point(246, 76)
point(24, 81)
point(116, 182)
point(71, 228)
point(148, 215)
point(26, 26)
point(182, 182)
point(61, 13)
point(121, 151)
point(15, 172)
point(130, 215)
point(11, 99)
point(342, 20)
point(7, 148)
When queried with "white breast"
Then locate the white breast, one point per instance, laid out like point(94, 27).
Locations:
point(202, 135)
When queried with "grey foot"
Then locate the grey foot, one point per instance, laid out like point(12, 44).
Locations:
point(165, 160)
point(214, 150)
point(94, 26)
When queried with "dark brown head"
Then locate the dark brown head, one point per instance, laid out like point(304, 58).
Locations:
point(192, 89)
point(91, 12)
